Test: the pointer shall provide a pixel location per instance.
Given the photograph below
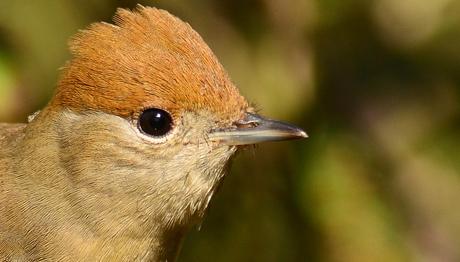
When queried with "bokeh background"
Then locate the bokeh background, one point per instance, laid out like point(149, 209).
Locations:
point(374, 82)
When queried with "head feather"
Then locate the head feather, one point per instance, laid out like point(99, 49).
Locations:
point(148, 58)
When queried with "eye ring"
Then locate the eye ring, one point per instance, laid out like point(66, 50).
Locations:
point(155, 122)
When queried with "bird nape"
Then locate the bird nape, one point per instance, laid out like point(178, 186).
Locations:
point(126, 156)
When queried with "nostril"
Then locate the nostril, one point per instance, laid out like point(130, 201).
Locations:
point(250, 121)
point(245, 124)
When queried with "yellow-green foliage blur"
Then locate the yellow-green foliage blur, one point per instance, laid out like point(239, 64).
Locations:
point(374, 83)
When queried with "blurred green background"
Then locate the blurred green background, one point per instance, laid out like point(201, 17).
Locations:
point(374, 82)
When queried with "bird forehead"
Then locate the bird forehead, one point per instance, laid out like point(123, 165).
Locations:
point(149, 58)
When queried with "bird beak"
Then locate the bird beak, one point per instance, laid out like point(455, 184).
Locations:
point(255, 129)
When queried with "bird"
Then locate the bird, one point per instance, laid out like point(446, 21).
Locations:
point(125, 157)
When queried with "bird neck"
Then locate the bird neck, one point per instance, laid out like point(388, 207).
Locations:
point(98, 218)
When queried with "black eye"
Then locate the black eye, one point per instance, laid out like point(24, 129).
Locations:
point(155, 122)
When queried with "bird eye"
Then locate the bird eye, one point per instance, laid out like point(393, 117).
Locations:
point(155, 122)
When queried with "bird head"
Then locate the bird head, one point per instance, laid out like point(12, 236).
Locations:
point(147, 118)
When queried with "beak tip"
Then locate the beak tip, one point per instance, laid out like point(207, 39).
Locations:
point(302, 134)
